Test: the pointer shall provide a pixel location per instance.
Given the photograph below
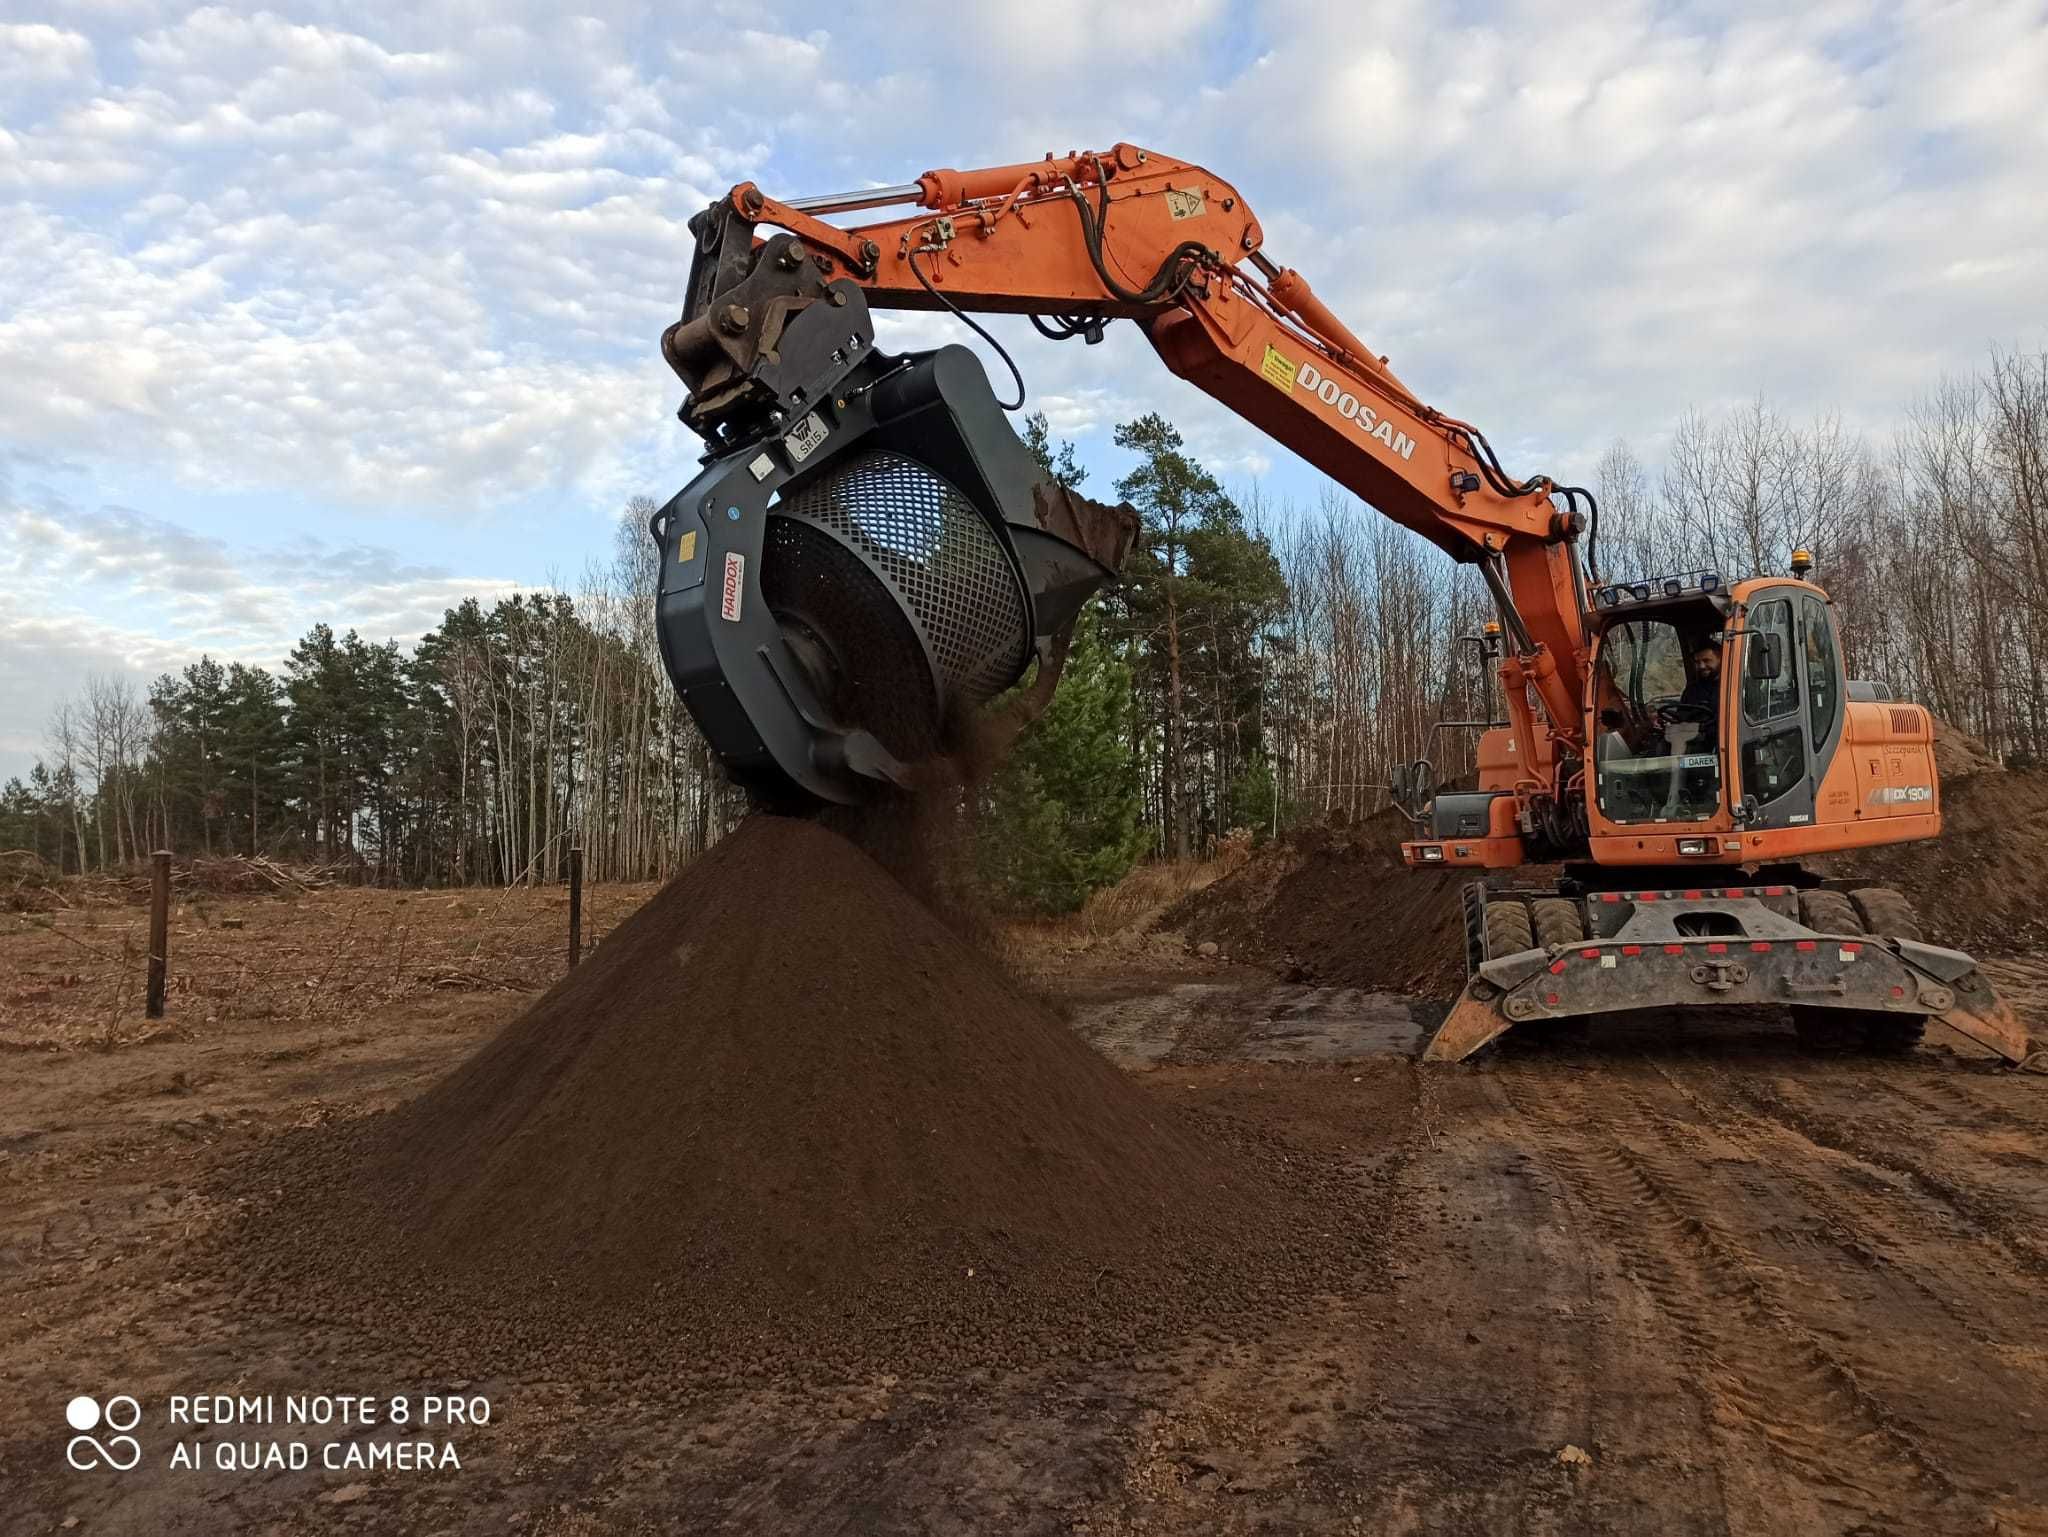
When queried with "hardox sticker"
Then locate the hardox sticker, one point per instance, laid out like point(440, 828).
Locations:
point(735, 586)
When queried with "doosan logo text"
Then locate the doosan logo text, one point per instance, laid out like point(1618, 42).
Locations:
point(1352, 409)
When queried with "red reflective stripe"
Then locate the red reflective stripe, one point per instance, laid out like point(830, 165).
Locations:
point(1674, 949)
point(1646, 896)
point(1551, 999)
point(1853, 948)
point(1804, 944)
point(1760, 945)
point(1591, 955)
point(1631, 949)
point(1610, 896)
point(1694, 896)
point(1557, 970)
point(1717, 949)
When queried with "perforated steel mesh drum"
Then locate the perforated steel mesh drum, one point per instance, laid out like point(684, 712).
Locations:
point(883, 575)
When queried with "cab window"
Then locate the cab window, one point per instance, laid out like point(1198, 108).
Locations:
point(1655, 757)
point(1773, 737)
point(1823, 683)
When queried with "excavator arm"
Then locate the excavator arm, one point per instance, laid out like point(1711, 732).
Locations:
point(1076, 242)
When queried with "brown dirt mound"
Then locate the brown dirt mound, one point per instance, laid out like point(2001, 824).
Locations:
point(783, 1115)
point(1957, 754)
point(1338, 906)
point(1982, 886)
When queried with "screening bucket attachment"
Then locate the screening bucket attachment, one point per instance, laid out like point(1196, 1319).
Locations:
point(869, 555)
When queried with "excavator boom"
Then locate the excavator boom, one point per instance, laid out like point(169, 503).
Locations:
point(1126, 233)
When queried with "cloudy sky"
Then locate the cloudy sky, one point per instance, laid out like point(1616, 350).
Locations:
point(312, 313)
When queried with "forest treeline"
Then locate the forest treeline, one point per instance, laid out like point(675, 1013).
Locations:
point(1261, 665)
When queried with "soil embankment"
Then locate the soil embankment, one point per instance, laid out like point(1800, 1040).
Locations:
point(1339, 907)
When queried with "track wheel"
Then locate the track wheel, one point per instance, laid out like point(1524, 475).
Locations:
point(1829, 1030)
point(1873, 910)
point(1557, 922)
point(1473, 899)
point(1888, 913)
point(1507, 928)
point(1829, 912)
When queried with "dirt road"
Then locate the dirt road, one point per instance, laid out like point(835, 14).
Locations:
point(1675, 1280)
point(1762, 1292)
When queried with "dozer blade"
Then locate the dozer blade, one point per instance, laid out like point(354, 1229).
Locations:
point(1987, 1019)
point(1471, 1024)
point(1480, 1016)
point(1765, 957)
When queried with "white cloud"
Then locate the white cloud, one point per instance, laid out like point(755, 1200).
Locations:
point(417, 260)
point(116, 592)
point(35, 54)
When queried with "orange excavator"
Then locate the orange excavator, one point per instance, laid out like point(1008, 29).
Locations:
point(870, 555)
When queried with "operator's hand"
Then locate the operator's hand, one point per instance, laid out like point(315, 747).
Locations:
point(1671, 713)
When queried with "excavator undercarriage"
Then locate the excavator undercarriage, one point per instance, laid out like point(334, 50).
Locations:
point(1850, 966)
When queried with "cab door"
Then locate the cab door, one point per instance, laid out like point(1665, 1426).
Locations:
point(1790, 705)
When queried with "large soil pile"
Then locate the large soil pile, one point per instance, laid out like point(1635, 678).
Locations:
point(1338, 906)
point(782, 1115)
point(1982, 886)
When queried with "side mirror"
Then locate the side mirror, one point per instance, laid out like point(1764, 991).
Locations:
point(1766, 656)
point(1408, 786)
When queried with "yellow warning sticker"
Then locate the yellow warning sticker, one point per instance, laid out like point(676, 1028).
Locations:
point(686, 548)
point(1278, 369)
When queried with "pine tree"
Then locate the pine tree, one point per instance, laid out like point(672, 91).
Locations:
point(1199, 590)
point(1062, 815)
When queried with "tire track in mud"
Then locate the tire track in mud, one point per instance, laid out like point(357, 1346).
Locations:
point(1948, 1095)
point(1978, 1210)
point(1888, 1233)
point(1768, 1372)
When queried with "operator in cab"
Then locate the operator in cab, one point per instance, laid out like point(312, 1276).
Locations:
point(1703, 692)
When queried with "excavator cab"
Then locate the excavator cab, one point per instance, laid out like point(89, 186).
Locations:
point(1716, 708)
point(1657, 750)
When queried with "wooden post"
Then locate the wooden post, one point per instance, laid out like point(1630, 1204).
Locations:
point(575, 904)
point(159, 929)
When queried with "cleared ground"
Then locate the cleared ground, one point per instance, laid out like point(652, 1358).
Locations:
point(1680, 1278)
